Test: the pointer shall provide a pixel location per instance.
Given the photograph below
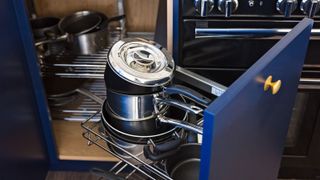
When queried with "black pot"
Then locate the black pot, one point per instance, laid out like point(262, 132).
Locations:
point(185, 163)
point(85, 32)
point(44, 27)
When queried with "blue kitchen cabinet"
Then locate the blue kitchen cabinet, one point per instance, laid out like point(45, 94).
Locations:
point(24, 114)
point(244, 129)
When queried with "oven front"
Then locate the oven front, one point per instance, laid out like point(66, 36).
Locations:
point(222, 49)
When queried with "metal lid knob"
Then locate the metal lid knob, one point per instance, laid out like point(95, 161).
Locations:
point(204, 7)
point(228, 6)
point(310, 7)
point(286, 7)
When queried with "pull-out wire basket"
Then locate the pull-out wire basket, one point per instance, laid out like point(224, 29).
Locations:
point(94, 135)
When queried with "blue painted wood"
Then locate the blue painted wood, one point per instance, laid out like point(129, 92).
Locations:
point(23, 109)
point(246, 127)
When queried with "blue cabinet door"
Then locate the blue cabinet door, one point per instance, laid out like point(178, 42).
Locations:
point(23, 110)
point(246, 127)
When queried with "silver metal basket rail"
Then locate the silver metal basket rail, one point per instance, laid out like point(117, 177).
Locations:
point(80, 107)
point(84, 66)
point(94, 136)
point(87, 67)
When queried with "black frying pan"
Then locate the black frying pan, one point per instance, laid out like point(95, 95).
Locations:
point(182, 163)
point(185, 163)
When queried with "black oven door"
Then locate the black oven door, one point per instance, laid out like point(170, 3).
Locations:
point(236, 43)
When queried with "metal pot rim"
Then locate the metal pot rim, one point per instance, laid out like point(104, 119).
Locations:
point(139, 136)
point(113, 114)
point(79, 13)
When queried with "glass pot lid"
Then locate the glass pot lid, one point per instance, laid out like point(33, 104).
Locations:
point(141, 62)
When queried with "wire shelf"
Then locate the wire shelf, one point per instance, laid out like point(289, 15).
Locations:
point(68, 65)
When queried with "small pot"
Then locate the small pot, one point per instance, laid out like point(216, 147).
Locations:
point(141, 107)
point(143, 130)
point(138, 77)
point(138, 66)
point(42, 27)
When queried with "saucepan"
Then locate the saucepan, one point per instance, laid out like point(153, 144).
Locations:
point(140, 94)
point(86, 32)
point(46, 28)
point(163, 142)
point(43, 26)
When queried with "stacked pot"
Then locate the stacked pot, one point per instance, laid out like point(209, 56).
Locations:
point(143, 106)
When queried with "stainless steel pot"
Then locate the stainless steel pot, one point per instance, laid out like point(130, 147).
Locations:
point(140, 131)
point(138, 77)
point(138, 66)
point(142, 107)
point(86, 32)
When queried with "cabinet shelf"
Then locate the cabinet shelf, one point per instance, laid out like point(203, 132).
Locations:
point(72, 146)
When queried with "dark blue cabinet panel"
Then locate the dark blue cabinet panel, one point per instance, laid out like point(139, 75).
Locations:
point(23, 153)
point(245, 128)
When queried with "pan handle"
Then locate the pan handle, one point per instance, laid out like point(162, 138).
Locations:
point(188, 92)
point(168, 146)
point(182, 124)
point(157, 156)
point(181, 105)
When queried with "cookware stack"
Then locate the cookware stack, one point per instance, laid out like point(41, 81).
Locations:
point(146, 117)
point(145, 114)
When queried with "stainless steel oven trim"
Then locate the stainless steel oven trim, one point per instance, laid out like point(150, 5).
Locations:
point(244, 32)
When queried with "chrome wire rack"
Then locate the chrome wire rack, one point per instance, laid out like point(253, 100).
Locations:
point(83, 66)
point(95, 135)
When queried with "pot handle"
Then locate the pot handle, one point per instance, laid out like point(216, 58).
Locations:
point(47, 41)
point(105, 24)
point(116, 18)
point(181, 105)
point(182, 124)
point(188, 92)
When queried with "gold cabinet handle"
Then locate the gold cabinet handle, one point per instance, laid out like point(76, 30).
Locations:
point(275, 86)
